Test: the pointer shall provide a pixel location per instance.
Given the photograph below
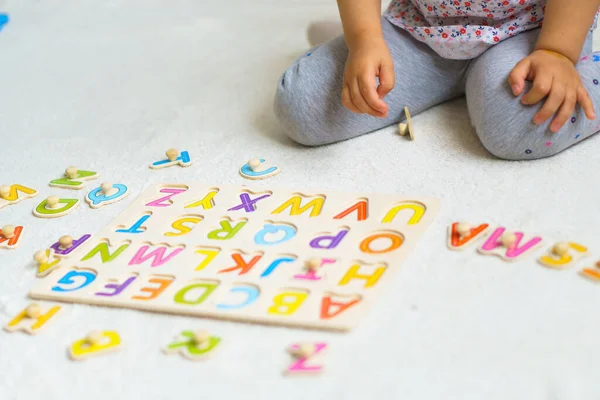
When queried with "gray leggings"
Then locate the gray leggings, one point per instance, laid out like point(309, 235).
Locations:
point(308, 100)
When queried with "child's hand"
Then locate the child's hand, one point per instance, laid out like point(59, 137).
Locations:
point(554, 76)
point(367, 60)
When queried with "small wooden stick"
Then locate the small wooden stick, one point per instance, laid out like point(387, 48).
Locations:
point(411, 132)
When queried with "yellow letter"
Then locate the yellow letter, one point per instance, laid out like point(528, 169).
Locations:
point(181, 227)
point(296, 206)
point(353, 274)
point(287, 303)
point(206, 203)
point(418, 212)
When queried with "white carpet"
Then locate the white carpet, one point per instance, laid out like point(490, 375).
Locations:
point(111, 85)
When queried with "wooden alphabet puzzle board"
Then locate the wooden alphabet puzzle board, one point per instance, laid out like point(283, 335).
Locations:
point(233, 253)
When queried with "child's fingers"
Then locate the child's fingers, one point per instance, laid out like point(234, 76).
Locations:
point(367, 88)
point(359, 101)
point(517, 76)
point(387, 79)
point(347, 100)
point(541, 87)
point(551, 105)
point(583, 98)
point(565, 111)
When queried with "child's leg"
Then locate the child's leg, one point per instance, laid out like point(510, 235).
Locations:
point(308, 101)
point(503, 124)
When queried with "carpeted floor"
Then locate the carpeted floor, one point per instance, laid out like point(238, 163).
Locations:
point(110, 85)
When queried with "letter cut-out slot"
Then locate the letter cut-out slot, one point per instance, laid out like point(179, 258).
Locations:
point(184, 225)
point(117, 285)
point(250, 201)
point(228, 229)
point(274, 233)
point(338, 306)
point(361, 275)
point(205, 203)
point(152, 287)
point(287, 301)
point(136, 226)
point(381, 242)
point(238, 297)
point(105, 251)
point(405, 213)
point(148, 255)
point(357, 210)
point(242, 262)
point(167, 195)
point(301, 204)
point(196, 292)
point(74, 280)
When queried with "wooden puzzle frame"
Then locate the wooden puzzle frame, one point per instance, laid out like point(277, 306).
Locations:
point(160, 254)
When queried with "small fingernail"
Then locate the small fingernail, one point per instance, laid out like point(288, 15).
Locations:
point(537, 120)
point(515, 89)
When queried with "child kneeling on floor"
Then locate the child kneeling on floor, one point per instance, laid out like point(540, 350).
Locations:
point(525, 66)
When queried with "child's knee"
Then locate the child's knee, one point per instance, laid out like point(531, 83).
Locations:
point(295, 108)
point(516, 137)
point(506, 129)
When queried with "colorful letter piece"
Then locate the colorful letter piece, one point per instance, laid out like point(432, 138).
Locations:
point(461, 236)
point(3, 20)
point(523, 245)
point(592, 274)
point(183, 160)
point(95, 344)
point(60, 252)
point(14, 194)
point(563, 255)
point(105, 195)
point(47, 262)
point(74, 179)
point(54, 208)
point(32, 319)
point(258, 169)
point(195, 346)
point(13, 241)
point(307, 357)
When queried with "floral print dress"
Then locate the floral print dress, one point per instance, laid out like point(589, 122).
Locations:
point(463, 29)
